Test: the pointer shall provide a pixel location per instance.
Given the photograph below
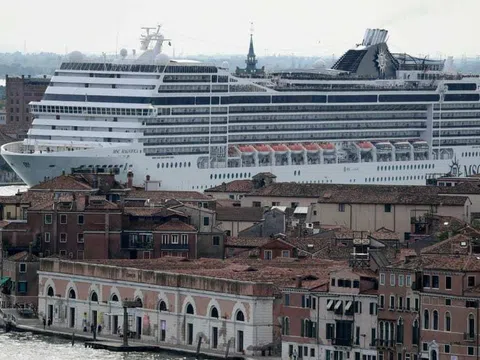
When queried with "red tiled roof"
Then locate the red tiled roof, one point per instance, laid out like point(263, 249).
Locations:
point(167, 195)
point(458, 244)
point(279, 272)
point(175, 225)
point(151, 211)
point(63, 182)
point(361, 194)
point(248, 242)
point(240, 186)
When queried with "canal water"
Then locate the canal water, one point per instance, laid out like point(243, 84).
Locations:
point(26, 346)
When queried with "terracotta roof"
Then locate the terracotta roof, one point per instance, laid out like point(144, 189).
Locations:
point(240, 186)
point(63, 182)
point(442, 262)
point(24, 256)
point(247, 242)
point(17, 225)
point(228, 203)
point(361, 194)
point(167, 195)
point(280, 273)
point(100, 203)
point(249, 214)
point(458, 244)
point(151, 212)
point(467, 188)
point(175, 225)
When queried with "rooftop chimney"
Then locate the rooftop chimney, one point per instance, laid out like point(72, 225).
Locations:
point(130, 179)
point(298, 282)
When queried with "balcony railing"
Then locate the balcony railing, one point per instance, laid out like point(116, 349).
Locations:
point(381, 343)
point(143, 243)
point(177, 247)
point(468, 336)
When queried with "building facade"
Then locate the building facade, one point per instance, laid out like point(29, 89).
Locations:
point(174, 308)
point(20, 91)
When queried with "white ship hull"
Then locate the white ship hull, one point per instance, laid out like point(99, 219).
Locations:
point(34, 168)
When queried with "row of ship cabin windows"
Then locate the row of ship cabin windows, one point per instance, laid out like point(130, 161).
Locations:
point(230, 176)
point(469, 154)
point(172, 165)
point(405, 167)
point(395, 178)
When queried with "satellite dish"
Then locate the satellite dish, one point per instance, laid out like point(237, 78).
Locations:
point(319, 64)
point(225, 65)
point(123, 53)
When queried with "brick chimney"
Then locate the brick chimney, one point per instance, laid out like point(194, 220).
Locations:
point(298, 283)
point(130, 179)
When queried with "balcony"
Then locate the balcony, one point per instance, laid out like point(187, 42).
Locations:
point(468, 336)
point(174, 247)
point(137, 242)
point(341, 342)
point(384, 344)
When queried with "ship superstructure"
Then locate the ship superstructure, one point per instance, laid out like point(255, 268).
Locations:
point(374, 117)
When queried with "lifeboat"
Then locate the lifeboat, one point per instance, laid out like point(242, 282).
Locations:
point(263, 149)
point(312, 148)
point(365, 146)
point(327, 147)
point(296, 148)
point(280, 149)
point(232, 151)
point(246, 149)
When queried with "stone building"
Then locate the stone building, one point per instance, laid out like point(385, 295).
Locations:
point(224, 302)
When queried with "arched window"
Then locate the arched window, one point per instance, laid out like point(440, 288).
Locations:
point(426, 320)
point(190, 309)
point(435, 320)
point(139, 302)
point(415, 333)
point(387, 331)
point(71, 294)
point(94, 296)
point(240, 316)
point(400, 330)
point(471, 326)
point(114, 298)
point(392, 334)
point(286, 326)
point(50, 291)
point(448, 322)
point(162, 306)
point(214, 312)
point(433, 355)
point(382, 332)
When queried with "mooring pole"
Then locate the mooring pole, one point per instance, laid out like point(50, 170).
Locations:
point(125, 326)
point(198, 346)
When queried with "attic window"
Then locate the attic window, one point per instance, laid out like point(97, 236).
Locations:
point(310, 246)
point(463, 244)
point(250, 269)
point(96, 202)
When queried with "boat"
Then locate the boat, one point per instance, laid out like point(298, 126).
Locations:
point(150, 114)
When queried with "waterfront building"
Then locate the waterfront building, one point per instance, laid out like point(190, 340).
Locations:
point(334, 317)
point(226, 303)
point(19, 284)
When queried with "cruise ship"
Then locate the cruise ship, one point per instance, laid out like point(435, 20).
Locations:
point(374, 117)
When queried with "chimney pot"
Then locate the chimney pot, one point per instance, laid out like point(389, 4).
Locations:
point(130, 179)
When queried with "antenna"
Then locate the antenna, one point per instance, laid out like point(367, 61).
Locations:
point(251, 28)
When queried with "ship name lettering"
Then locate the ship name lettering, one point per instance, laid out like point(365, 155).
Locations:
point(471, 170)
point(126, 151)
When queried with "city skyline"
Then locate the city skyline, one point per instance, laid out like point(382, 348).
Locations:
point(438, 28)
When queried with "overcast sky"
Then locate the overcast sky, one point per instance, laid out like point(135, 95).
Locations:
point(301, 27)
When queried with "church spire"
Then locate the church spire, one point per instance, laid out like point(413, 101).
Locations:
point(251, 52)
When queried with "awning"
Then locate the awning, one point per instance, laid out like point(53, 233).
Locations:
point(303, 210)
point(338, 305)
point(329, 304)
point(348, 305)
point(281, 208)
point(4, 280)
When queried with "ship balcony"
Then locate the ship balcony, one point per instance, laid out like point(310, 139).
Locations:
point(20, 147)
